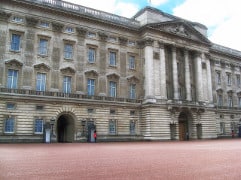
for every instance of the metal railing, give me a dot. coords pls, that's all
(65, 95)
(86, 11)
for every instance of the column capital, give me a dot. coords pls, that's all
(148, 42)
(161, 44)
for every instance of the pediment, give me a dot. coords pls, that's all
(13, 63)
(113, 76)
(42, 66)
(133, 79)
(182, 29)
(67, 70)
(92, 73)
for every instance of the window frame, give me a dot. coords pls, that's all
(15, 46)
(132, 131)
(132, 91)
(132, 62)
(91, 56)
(42, 81)
(43, 48)
(42, 126)
(91, 87)
(112, 58)
(11, 125)
(112, 89)
(67, 84)
(218, 77)
(14, 80)
(68, 50)
(229, 79)
(112, 127)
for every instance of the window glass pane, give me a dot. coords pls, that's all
(132, 127)
(112, 89)
(91, 55)
(132, 91)
(91, 87)
(132, 62)
(113, 58)
(41, 82)
(38, 126)
(12, 79)
(10, 106)
(43, 45)
(112, 126)
(9, 125)
(68, 51)
(67, 84)
(15, 44)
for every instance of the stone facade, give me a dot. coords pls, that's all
(74, 70)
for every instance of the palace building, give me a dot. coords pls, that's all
(71, 70)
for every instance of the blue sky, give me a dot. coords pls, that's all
(221, 17)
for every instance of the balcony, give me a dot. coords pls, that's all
(33, 93)
(89, 12)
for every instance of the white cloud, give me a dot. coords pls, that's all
(219, 15)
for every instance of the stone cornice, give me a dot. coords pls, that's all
(123, 40)
(14, 62)
(103, 36)
(41, 66)
(67, 70)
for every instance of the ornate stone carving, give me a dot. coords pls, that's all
(42, 67)
(180, 30)
(123, 40)
(132, 79)
(91, 73)
(14, 63)
(148, 42)
(103, 36)
(67, 70)
(81, 31)
(32, 22)
(4, 16)
(113, 76)
(57, 26)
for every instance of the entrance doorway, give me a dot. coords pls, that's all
(65, 128)
(183, 127)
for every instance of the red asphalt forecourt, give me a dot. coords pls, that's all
(189, 160)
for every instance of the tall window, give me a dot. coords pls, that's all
(222, 127)
(91, 87)
(68, 51)
(132, 127)
(220, 100)
(67, 84)
(230, 101)
(15, 43)
(112, 126)
(238, 81)
(131, 62)
(112, 90)
(9, 125)
(43, 47)
(38, 127)
(229, 79)
(91, 55)
(12, 82)
(218, 77)
(112, 60)
(239, 102)
(41, 82)
(132, 91)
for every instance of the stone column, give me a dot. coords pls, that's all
(174, 73)
(163, 85)
(209, 78)
(149, 89)
(198, 76)
(187, 76)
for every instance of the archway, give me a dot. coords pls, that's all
(184, 133)
(65, 128)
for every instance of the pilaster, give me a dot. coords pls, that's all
(198, 76)
(174, 73)
(187, 76)
(162, 72)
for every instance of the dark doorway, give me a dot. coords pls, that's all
(65, 129)
(183, 127)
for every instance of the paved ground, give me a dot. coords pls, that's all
(194, 160)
